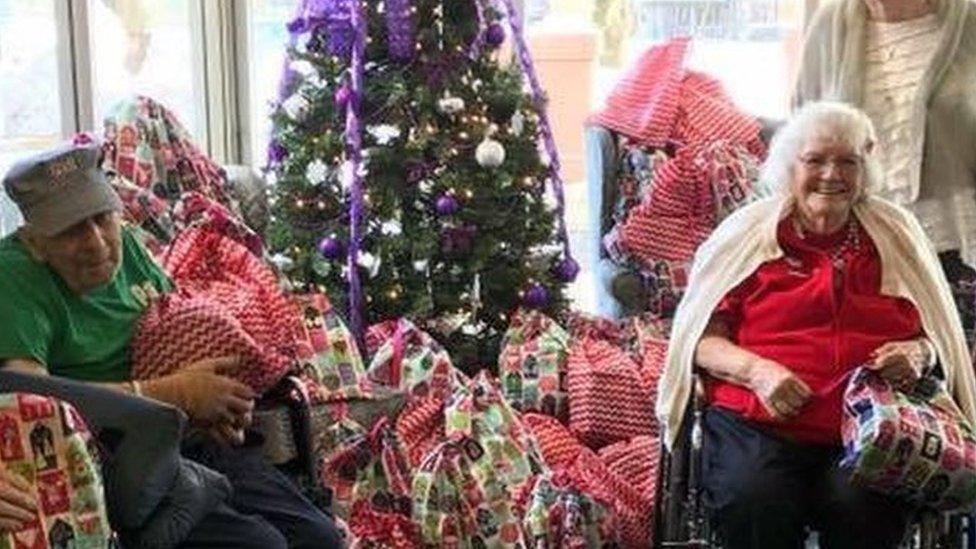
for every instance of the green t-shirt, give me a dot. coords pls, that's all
(78, 337)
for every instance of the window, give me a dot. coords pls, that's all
(148, 47)
(30, 117)
(267, 39)
(64, 63)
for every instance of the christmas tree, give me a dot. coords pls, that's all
(403, 118)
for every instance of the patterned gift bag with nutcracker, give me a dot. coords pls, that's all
(46, 442)
(532, 365)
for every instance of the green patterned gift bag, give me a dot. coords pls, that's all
(458, 502)
(329, 359)
(45, 441)
(556, 514)
(532, 365)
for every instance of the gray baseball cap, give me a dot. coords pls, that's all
(60, 187)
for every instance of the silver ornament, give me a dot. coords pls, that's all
(490, 153)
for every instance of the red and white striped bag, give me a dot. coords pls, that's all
(228, 303)
(608, 400)
(559, 448)
(636, 461)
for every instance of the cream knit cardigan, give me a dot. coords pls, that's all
(747, 239)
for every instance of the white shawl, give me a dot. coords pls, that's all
(747, 239)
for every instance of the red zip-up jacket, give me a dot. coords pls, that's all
(815, 320)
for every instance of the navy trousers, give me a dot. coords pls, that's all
(266, 510)
(764, 492)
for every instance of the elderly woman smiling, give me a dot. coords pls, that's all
(786, 299)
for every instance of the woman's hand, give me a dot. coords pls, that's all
(900, 362)
(17, 504)
(782, 393)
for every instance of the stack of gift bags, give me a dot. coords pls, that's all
(686, 158)
(559, 450)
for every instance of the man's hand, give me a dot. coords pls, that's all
(206, 395)
(17, 504)
(781, 392)
(900, 362)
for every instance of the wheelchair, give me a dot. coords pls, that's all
(681, 521)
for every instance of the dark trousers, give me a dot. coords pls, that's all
(266, 510)
(763, 492)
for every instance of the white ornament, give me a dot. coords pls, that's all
(384, 133)
(490, 153)
(370, 262)
(282, 262)
(296, 107)
(391, 228)
(518, 123)
(316, 172)
(450, 105)
(421, 265)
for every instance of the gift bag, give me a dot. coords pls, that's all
(420, 426)
(556, 514)
(634, 463)
(915, 444)
(532, 365)
(328, 354)
(366, 466)
(458, 502)
(609, 402)
(558, 446)
(228, 303)
(410, 359)
(45, 441)
(477, 410)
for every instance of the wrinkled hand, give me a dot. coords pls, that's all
(17, 503)
(205, 394)
(900, 362)
(782, 393)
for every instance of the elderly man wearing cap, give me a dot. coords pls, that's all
(73, 284)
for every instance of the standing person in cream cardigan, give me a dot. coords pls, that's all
(786, 299)
(911, 65)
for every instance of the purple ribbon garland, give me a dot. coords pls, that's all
(354, 146)
(528, 68)
(474, 49)
(401, 30)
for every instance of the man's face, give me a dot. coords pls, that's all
(85, 255)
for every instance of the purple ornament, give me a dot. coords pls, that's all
(298, 25)
(276, 152)
(342, 97)
(447, 205)
(536, 297)
(567, 270)
(331, 248)
(495, 35)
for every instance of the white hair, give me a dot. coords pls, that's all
(840, 121)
